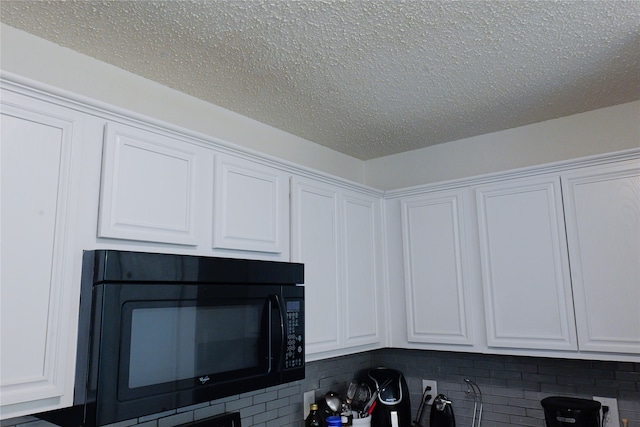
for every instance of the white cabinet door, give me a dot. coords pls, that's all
(148, 187)
(315, 243)
(602, 208)
(38, 307)
(362, 267)
(525, 269)
(251, 209)
(436, 271)
(336, 233)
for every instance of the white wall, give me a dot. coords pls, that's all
(595, 132)
(37, 59)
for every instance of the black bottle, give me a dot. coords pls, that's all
(314, 419)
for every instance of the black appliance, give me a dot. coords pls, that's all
(442, 413)
(560, 411)
(393, 397)
(160, 331)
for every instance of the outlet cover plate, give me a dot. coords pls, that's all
(433, 392)
(613, 418)
(308, 398)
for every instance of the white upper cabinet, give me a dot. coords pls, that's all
(251, 208)
(524, 261)
(314, 225)
(362, 267)
(148, 187)
(336, 233)
(602, 205)
(39, 152)
(161, 187)
(436, 268)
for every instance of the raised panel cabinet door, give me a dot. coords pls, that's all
(315, 243)
(602, 208)
(251, 209)
(435, 264)
(37, 318)
(524, 261)
(148, 187)
(361, 259)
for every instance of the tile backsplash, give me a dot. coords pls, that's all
(512, 387)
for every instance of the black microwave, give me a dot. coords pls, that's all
(160, 331)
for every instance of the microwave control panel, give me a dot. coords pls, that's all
(294, 352)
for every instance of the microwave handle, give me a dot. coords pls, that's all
(275, 300)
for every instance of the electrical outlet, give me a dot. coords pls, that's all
(433, 392)
(307, 400)
(613, 417)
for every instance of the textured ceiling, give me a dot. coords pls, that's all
(368, 78)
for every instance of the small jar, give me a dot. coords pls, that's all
(334, 421)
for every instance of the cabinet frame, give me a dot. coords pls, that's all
(361, 268)
(343, 279)
(121, 222)
(268, 196)
(322, 299)
(50, 384)
(605, 297)
(502, 208)
(419, 219)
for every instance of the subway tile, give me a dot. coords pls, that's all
(506, 374)
(192, 408)
(127, 423)
(238, 404)
(558, 389)
(279, 403)
(264, 417)
(524, 403)
(289, 392)
(628, 376)
(252, 410)
(490, 365)
(524, 385)
(156, 416)
(512, 387)
(265, 397)
(520, 367)
(512, 409)
(177, 419)
(538, 378)
(277, 423)
(525, 421)
(495, 417)
(208, 411)
(505, 392)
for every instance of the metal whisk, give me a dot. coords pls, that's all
(477, 400)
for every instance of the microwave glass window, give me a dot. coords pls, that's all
(176, 343)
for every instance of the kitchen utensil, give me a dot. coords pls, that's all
(370, 402)
(333, 402)
(477, 398)
(372, 407)
(361, 396)
(351, 391)
(374, 396)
